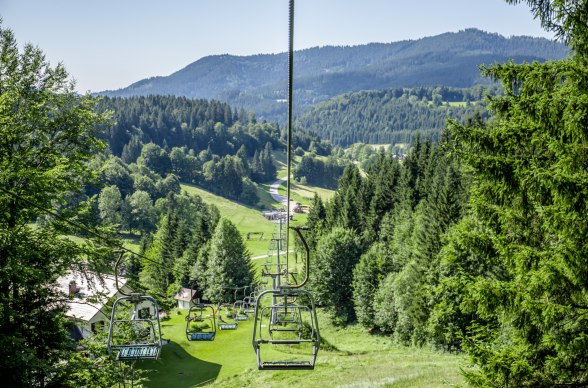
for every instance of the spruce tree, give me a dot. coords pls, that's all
(530, 190)
(228, 264)
(331, 278)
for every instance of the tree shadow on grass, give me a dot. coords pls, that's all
(179, 369)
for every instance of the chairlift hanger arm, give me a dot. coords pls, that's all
(298, 230)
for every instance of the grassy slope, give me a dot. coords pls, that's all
(360, 360)
(249, 219)
(245, 218)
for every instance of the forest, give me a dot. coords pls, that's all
(471, 242)
(392, 116)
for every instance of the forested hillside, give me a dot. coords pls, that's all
(258, 83)
(198, 141)
(476, 244)
(393, 116)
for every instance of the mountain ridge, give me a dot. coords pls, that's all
(258, 82)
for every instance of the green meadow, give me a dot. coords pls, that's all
(249, 220)
(354, 359)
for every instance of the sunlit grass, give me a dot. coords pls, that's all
(360, 360)
(246, 219)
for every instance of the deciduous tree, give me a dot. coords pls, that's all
(47, 133)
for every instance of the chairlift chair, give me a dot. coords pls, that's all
(291, 320)
(206, 331)
(239, 307)
(291, 331)
(286, 318)
(248, 305)
(301, 314)
(139, 336)
(239, 311)
(222, 325)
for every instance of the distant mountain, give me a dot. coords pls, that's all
(258, 83)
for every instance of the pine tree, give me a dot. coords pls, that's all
(531, 173)
(228, 264)
(157, 274)
(386, 173)
(337, 254)
(315, 221)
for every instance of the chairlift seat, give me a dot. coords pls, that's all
(278, 328)
(241, 318)
(228, 326)
(201, 336)
(138, 352)
(286, 341)
(283, 365)
(286, 320)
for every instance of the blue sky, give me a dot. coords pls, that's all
(109, 44)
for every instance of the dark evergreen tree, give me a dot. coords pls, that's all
(316, 221)
(529, 191)
(227, 263)
(336, 255)
(157, 275)
(132, 150)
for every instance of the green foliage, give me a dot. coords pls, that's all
(109, 204)
(263, 168)
(227, 263)
(186, 225)
(394, 115)
(530, 191)
(48, 134)
(114, 172)
(369, 272)
(401, 212)
(337, 254)
(315, 221)
(141, 215)
(209, 147)
(316, 172)
(155, 159)
(157, 274)
(384, 306)
(91, 366)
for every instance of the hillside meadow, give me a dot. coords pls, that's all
(356, 359)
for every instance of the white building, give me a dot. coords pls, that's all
(184, 296)
(89, 295)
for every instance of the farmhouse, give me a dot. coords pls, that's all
(89, 294)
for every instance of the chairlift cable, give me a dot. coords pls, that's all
(285, 317)
(289, 140)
